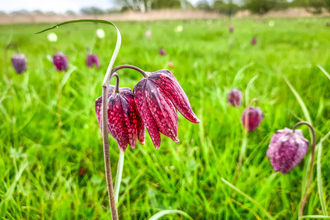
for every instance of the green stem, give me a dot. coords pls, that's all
(119, 175)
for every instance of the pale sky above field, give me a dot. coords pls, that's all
(58, 6)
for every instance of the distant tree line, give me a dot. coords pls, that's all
(227, 7)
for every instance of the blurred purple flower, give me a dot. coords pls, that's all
(162, 52)
(328, 24)
(254, 41)
(254, 118)
(235, 97)
(92, 59)
(19, 62)
(231, 29)
(61, 61)
(286, 149)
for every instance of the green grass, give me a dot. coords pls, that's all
(55, 132)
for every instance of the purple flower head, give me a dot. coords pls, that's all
(254, 41)
(286, 149)
(124, 121)
(19, 62)
(157, 97)
(254, 118)
(328, 24)
(235, 97)
(162, 52)
(231, 29)
(61, 62)
(92, 59)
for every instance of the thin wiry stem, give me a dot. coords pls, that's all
(126, 66)
(303, 201)
(117, 82)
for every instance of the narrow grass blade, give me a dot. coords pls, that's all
(314, 217)
(119, 175)
(248, 88)
(160, 214)
(239, 73)
(300, 101)
(324, 71)
(67, 75)
(319, 176)
(248, 197)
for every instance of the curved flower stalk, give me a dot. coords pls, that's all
(286, 150)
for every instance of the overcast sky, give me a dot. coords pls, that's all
(59, 6)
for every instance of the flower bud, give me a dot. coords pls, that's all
(235, 97)
(254, 41)
(286, 149)
(231, 29)
(254, 118)
(92, 59)
(60, 62)
(162, 52)
(19, 62)
(148, 33)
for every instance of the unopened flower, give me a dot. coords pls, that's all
(100, 33)
(231, 29)
(148, 33)
(52, 37)
(19, 62)
(157, 97)
(287, 149)
(235, 97)
(251, 118)
(60, 61)
(92, 59)
(162, 52)
(124, 121)
(254, 41)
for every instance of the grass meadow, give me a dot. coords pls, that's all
(52, 165)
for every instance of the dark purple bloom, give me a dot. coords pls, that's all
(235, 97)
(162, 52)
(61, 61)
(19, 62)
(92, 59)
(231, 29)
(254, 118)
(124, 121)
(287, 149)
(254, 41)
(328, 24)
(157, 97)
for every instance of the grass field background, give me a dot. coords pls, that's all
(55, 133)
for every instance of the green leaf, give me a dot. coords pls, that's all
(324, 71)
(119, 175)
(248, 197)
(160, 214)
(247, 100)
(314, 217)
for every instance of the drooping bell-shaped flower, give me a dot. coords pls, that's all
(251, 118)
(287, 149)
(254, 41)
(124, 121)
(231, 29)
(235, 97)
(60, 62)
(162, 52)
(157, 97)
(19, 62)
(92, 59)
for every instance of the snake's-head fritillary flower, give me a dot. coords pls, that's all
(287, 149)
(328, 24)
(254, 41)
(251, 118)
(231, 29)
(92, 59)
(235, 97)
(157, 97)
(162, 52)
(19, 62)
(124, 121)
(60, 61)
(148, 33)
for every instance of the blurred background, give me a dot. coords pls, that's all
(19, 11)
